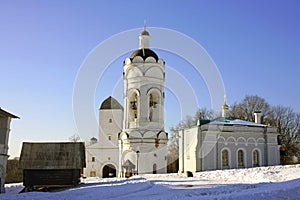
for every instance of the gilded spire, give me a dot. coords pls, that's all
(225, 106)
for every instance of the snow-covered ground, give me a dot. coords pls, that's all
(276, 182)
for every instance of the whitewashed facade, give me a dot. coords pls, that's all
(133, 140)
(143, 141)
(227, 143)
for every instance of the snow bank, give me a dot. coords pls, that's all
(276, 182)
(13, 188)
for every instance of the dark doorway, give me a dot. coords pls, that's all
(109, 171)
(154, 168)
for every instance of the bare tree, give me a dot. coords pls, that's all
(204, 113)
(188, 122)
(74, 138)
(284, 118)
(173, 154)
(288, 127)
(245, 109)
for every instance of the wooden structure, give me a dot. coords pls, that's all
(52, 164)
(13, 173)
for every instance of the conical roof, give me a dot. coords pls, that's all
(110, 103)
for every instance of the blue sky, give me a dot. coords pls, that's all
(255, 44)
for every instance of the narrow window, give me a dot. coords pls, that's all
(225, 161)
(153, 107)
(255, 158)
(133, 107)
(93, 159)
(151, 103)
(241, 159)
(109, 137)
(110, 120)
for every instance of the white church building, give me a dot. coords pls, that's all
(132, 139)
(227, 143)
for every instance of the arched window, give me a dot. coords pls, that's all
(255, 158)
(151, 107)
(133, 104)
(225, 158)
(241, 159)
(154, 101)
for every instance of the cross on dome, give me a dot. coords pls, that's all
(145, 32)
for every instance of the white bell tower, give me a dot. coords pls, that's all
(142, 143)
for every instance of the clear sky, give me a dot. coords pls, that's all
(255, 45)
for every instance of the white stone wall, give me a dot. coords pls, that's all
(143, 130)
(106, 150)
(143, 79)
(187, 155)
(102, 156)
(208, 141)
(110, 125)
(4, 135)
(149, 154)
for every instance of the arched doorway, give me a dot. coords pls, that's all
(109, 171)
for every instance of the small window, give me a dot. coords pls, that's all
(110, 120)
(109, 137)
(155, 155)
(93, 159)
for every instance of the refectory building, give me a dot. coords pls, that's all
(227, 143)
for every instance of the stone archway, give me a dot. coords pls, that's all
(109, 171)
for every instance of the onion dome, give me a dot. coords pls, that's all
(144, 53)
(144, 32)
